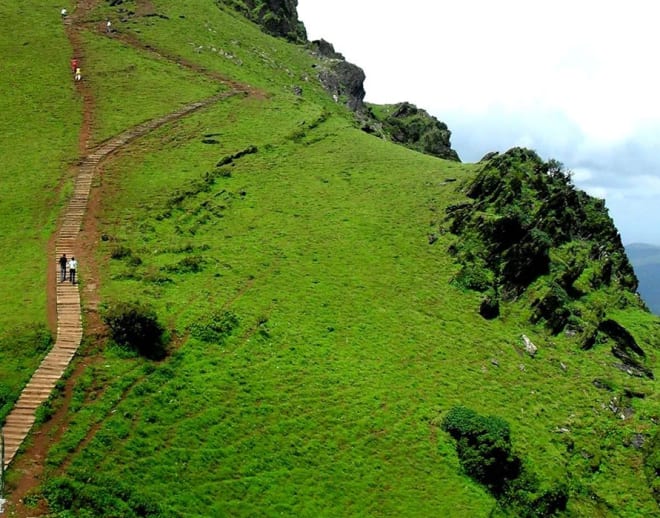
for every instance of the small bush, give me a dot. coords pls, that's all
(490, 306)
(120, 252)
(97, 496)
(44, 412)
(484, 447)
(214, 328)
(474, 277)
(189, 264)
(135, 326)
(60, 493)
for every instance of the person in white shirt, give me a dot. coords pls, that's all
(63, 13)
(73, 266)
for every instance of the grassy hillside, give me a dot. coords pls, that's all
(316, 341)
(39, 125)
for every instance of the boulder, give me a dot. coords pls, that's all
(530, 348)
(345, 80)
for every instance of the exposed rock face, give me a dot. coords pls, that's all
(276, 17)
(326, 49)
(343, 80)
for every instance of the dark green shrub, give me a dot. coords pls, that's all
(214, 328)
(44, 412)
(652, 464)
(99, 497)
(484, 447)
(189, 264)
(7, 399)
(474, 277)
(60, 493)
(484, 450)
(120, 252)
(154, 275)
(524, 498)
(490, 306)
(135, 326)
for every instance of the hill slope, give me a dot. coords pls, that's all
(302, 269)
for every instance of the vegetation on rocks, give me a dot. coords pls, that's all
(528, 230)
(277, 17)
(486, 454)
(413, 127)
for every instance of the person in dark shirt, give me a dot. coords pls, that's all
(63, 264)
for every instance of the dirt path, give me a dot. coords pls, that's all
(76, 236)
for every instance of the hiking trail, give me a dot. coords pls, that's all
(64, 295)
(69, 322)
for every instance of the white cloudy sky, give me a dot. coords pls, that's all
(576, 80)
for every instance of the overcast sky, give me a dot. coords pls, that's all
(575, 80)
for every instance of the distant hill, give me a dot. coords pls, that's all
(646, 261)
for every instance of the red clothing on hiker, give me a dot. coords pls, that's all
(74, 65)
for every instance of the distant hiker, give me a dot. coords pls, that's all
(108, 26)
(78, 75)
(63, 264)
(73, 266)
(63, 13)
(74, 64)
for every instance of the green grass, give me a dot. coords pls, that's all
(39, 126)
(352, 344)
(131, 86)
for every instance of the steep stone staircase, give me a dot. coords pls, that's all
(69, 321)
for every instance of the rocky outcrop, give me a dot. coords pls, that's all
(276, 17)
(417, 129)
(343, 80)
(528, 225)
(405, 124)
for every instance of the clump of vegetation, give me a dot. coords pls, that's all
(276, 18)
(189, 264)
(214, 328)
(486, 454)
(484, 447)
(7, 398)
(120, 252)
(135, 326)
(123, 252)
(527, 221)
(413, 127)
(102, 498)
